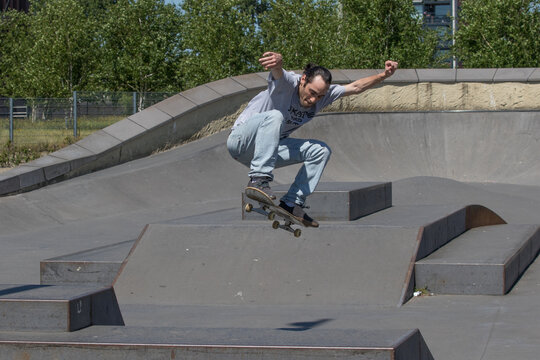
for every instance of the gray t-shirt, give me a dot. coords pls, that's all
(282, 95)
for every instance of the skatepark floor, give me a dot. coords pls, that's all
(198, 184)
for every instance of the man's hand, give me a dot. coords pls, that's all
(271, 60)
(363, 84)
(274, 62)
(390, 68)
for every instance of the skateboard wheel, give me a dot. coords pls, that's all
(275, 224)
(271, 215)
(248, 207)
(297, 233)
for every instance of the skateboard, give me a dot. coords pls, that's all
(270, 210)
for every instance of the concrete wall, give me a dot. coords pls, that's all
(445, 90)
(182, 116)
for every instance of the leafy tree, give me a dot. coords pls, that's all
(140, 46)
(14, 46)
(302, 31)
(376, 30)
(499, 33)
(60, 51)
(348, 33)
(220, 39)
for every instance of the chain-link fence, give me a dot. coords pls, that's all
(43, 121)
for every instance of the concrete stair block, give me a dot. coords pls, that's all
(56, 308)
(485, 260)
(97, 266)
(226, 344)
(338, 201)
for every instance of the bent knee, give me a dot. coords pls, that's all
(322, 150)
(275, 114)
(327, 152)
(275, 117)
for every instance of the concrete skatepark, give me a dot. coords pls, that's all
(109, 250)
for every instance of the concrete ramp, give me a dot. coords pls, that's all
(255, 264)
(366, 262)
(472, 146)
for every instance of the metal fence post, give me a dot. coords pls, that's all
(74, 114)
(134, 102)
(11, 120)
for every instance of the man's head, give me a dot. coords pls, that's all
(314, 84)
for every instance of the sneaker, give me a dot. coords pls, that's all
(298, 212)
(262, 187)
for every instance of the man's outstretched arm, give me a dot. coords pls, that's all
(274, 62)
(363, 84)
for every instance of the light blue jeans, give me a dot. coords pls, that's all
(257, 144)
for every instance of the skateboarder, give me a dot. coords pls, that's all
(260, 136)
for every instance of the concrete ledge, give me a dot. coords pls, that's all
(97, 266)
(227, 87)
(149, 118)
(221, 343)
(53, 167)
(476, 75)
(125, 129)
(339, 77)
(22, 177)
(251, 81)
(176, 105)
(436, 75)
(202, 94)
(482, 261)
(56, 308)
(76, 155)
(535, 76)
(403, 76)
(99, 142)
(354, 74)
(337, 201)
(10, 183)
(514, 75)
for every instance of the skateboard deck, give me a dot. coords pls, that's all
(270, 210)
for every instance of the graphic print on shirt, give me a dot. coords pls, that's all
(295, 117)
(298, 117)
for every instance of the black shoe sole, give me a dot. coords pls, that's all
(302, 220)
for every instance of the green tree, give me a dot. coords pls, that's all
(498, 33)
(376, 30)
(141, 47)
(62, 52)
(220, 39)
(348, 33)
(14, 46)
(302, 31)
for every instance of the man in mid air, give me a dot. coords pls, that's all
(260, 136)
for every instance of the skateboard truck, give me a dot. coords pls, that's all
(266, 210)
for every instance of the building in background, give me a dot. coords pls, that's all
(440, 15)
(22, 5)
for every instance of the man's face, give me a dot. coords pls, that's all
(312, 92)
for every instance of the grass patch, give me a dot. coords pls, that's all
(32, 140)
(11, 155)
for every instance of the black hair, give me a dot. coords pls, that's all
(311, 71)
